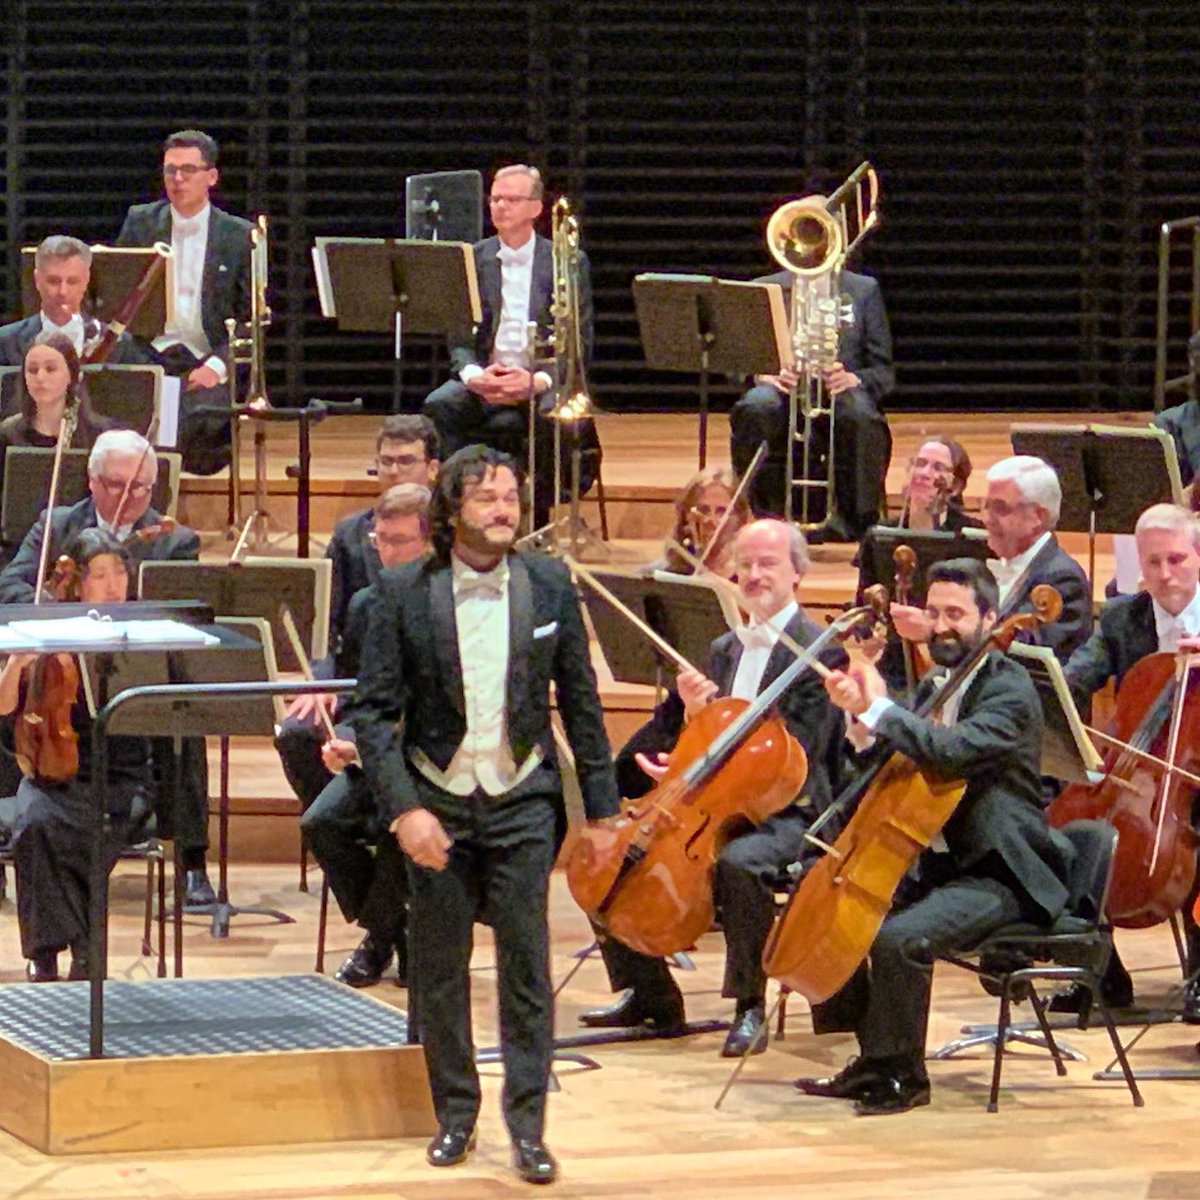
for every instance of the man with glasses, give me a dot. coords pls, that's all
(406, 451)
(495, 371)
(212, 283)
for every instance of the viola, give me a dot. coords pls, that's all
(1154, 867)
(833, 915)
(648, 880)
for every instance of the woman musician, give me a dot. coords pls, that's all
(52, 837)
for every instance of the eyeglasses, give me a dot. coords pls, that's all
(508, 199)
(137, 489)
(1002, 508)
(392, 541)
(187, 170)
(708, 510)
(391, 462)
(938, 468)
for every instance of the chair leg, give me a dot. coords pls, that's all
(781, 1014)
(149, 913)
(602, 503)
(1119, 1050)
(162, 915)
(303, 863)
(322, 925)
(1001, 1033)
(1039, 1011)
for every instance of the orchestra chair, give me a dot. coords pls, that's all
(1074, 949)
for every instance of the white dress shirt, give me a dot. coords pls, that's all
(1170, 629)
(189, 244)
(758, 639)
(484, 758)
(1008, 570)
(73, 329)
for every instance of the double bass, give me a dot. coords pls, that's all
(832, 916)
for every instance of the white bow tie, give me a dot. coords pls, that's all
(515, 258)
(185, 226)
(468, 580)
(753, 637)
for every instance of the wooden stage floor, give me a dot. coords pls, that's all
(643, 1125)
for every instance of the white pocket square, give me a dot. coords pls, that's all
(222, 267)
(545, 630)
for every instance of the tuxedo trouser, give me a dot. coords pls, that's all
(299, 744)
(747, 874)
(183, 817)
(341, 826)
(204, 438)
(52, 850)
(498, 872)
(862, 450)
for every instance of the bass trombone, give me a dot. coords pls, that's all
(812, 237)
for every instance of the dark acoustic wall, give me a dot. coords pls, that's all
(1028, 152)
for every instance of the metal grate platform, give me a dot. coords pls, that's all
(170, 1017)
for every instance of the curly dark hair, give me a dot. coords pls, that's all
(468, 465)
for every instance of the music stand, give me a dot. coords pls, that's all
(444, 206)
(256, 588)
(698, 323)
(876, 554)
(128, 394)
(382, 285)
(1109, 474)
(114, 272)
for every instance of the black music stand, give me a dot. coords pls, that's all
(698, 323)
(1109, 474)
(397, 285)
(876, 554)
(126, 395)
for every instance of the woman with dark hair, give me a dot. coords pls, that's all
(937, 478)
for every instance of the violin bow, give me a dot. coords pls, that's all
(151, 432)
(743, 484)
(1168, 767)
(66, 431)
(293, 637)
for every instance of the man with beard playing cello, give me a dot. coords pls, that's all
(997, 861)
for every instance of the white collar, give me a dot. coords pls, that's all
(517, 256)
(1186, 623)
(185, 225)
(1020, 561)
(766, 633)
(75, 321)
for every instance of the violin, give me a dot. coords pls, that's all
(833, 915)
(1154, 868)
(649, 880)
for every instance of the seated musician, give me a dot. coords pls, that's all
(1182, 421)
(1163, 616)
(937, 478)
(1020, 511)
(62, 271)
(699, 511)
(406, 451)
(345, 821)
(999, 862)
(212, 283)
(770, 559)
(119, 458)
(52, 840)
(494, 375)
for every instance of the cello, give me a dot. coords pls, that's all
(832, 916)
(648, 881)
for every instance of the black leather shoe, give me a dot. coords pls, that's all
(1117, 993)
(42, 968)
(1191, 1003)
(198, 892)
(450, 1147)
(833, 529)
(855, 1079)
(747, 1034)
(629, 1011)
(893, 1094)
(534, 1163)
(366, 964)
(79, 965)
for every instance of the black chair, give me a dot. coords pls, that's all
(1075, 949)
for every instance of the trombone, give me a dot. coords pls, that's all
(812, 237)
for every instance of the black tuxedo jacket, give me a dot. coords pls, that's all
(225, 289)
(1182, 422)
(865, 346)
(355, 566)
(805, 708)
(999, 828)
(1053, 565)
(476, 347)
(410, 689)
(1126, 634)
(17, 336)
(18, 579)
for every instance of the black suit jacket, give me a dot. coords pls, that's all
(1053, 565)
(225, 288)
(1125, 635)
(1182, 422)
(17, 336)
(805, 708)
(865, 346)
(355, 566)
(999, 828)
(410, 689)
(476, 346)
(18, 579)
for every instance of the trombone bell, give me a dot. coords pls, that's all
(804, 237)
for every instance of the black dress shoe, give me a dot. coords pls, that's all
(893, 1094)
(450, 1147)
(833, 529)
(79, 966)
(747, 1035)
(366, 964)
(197, 891)
(534, 1163)
(1191, 1003)
(42, 968)
(629, 1011)
(856, 1078)
(1117, 993)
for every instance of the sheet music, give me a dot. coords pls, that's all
(84, 633)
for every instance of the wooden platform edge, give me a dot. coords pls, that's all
(208, 1101)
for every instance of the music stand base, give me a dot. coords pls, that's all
(986, 1038)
